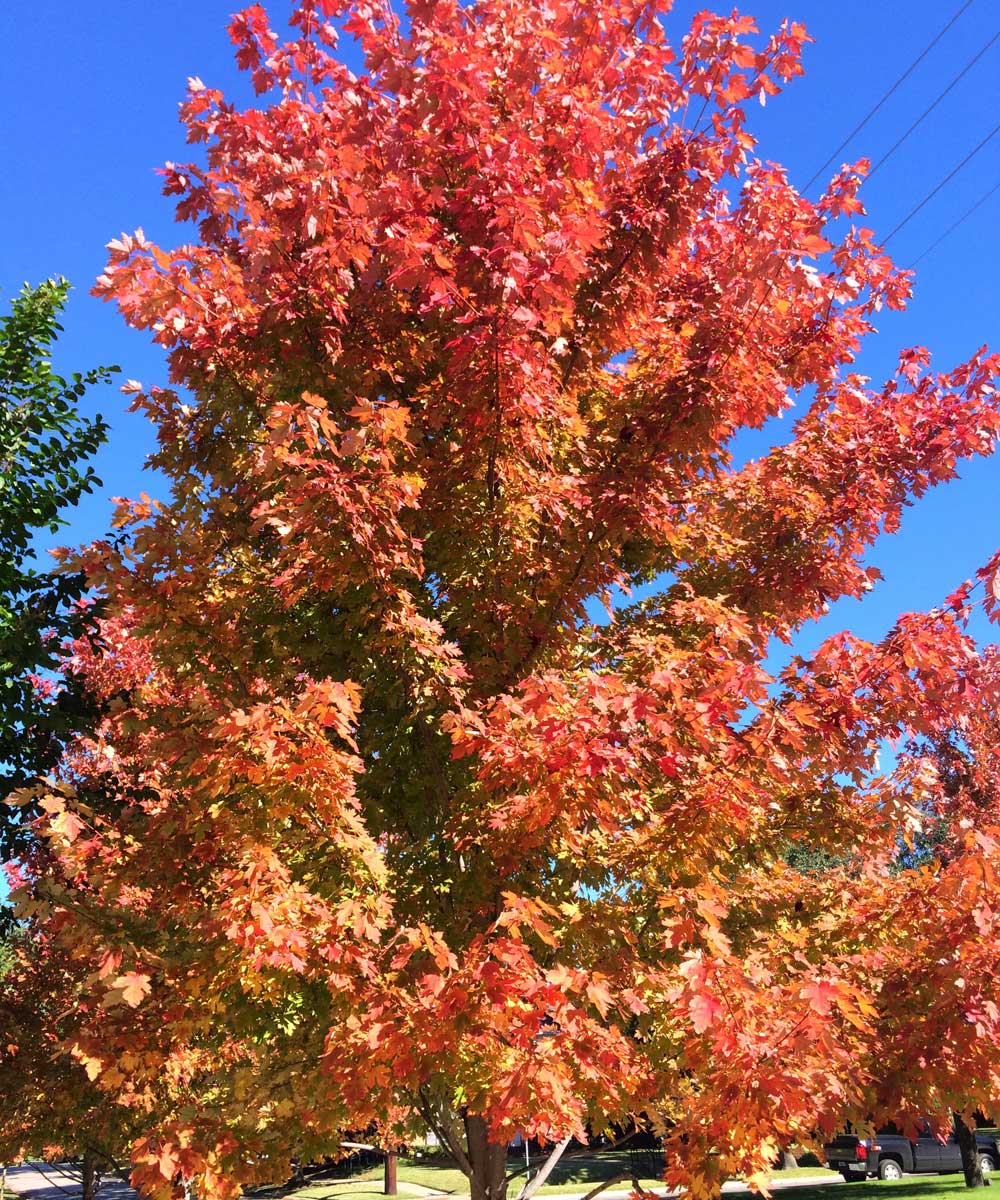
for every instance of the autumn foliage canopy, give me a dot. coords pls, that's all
(386, 825)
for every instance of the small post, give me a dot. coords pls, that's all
(391, 1186)
(3, 1183)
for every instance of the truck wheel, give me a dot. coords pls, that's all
(888, 1168)
(986, 1164)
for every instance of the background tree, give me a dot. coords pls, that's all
(396, 833)
(44, 444)
(52, 1109)
(966, 757)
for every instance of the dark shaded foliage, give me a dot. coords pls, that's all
(45, 445)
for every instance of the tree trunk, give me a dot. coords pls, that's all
(488, 1161)
(971, 1165)
(788, 1161)
(391, 1186)
(89, 1174)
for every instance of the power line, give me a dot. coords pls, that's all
(955, 224)
(934, 190)
(888, 154)
(905, 75)
(745, 329)
(930, 108)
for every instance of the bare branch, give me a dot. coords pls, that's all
(122, 1174)
(445, 1134)
(636, 1186)
(585, 1152)
(531, 1186)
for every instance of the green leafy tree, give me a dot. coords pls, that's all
(44, 447)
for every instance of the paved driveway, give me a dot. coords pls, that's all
(44, 1182)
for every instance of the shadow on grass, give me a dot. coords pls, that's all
(912, 1187)
(586, 1171)
(595, 1168)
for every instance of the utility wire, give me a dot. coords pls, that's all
(934, 190)
(930, 108)
(955, 224)
(909, 216)
(905, 75)
(892, 150)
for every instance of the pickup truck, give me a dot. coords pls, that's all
(888, 1155)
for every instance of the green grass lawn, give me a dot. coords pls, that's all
(442, 1177)
(575, 1174)
(911, 1187)
(583, 1173)
(572, 1175)
(341, 1189)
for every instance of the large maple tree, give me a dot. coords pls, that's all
(384, 826)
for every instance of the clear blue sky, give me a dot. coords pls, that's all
(90, 94)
